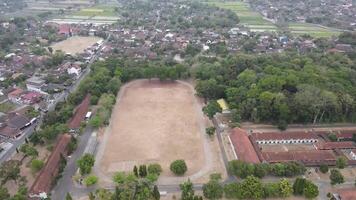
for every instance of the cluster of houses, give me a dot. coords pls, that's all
(339, 14)
(312, 148)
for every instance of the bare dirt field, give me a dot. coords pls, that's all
(154, 122)
(75, 44)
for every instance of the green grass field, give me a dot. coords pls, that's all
(100, 10)
(257, 23)
(251, 19)
(311, 29)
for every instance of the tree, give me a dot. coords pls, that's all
(332, 137)
(211, 109)
(36, 165)
(209, 89)
(9, 170)
(336, 177)
(29, 150)
(210, 131)
(311, 191)
(178, 167)
(187, 190)
(324, 168)
(154, 168)
(156, 194)
(252, 188)
(85, 163)
(213, 190)
(4, 193)
(90, 180)
(341, 162)
(285, 188)
(135, 171)
(298, 186)
(142, 171)
(68, 196)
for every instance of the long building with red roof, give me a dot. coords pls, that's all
(284, 138)
(335, 145)
(44, 181)
(310, 158)
(243, 147)
(80, 112)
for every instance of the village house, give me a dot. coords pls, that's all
(15, 94)
(35, 84)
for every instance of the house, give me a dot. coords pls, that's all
(31, 98)
(35, 84)
(65, 29)
(17, 121)
(15, 95)
(74, 69)
(44, 181)
(12, 126)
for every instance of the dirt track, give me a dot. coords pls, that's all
(154, 122)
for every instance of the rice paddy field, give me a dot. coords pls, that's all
(249, 18)
(99, 10)
(97, 15)
(257, 23)
(312, 29)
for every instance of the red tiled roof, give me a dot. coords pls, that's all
(80, 113)
(243, 146)
(16, 92)
(43, 182)
(9, 132)
(283, 136)
(335, 145)
(64, 29)
(347, 194)
(31, 95)
(307, 157)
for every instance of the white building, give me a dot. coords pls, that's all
(353, 155)
(35, 84)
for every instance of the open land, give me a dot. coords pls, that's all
(249, 18)
(257, 23)
(76, 44)
(154, 122)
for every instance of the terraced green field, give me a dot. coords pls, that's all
(257, 23)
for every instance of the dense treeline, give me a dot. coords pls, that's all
(283, 88)
(242, 169)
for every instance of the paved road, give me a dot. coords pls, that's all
(65, 184)
(16, 143)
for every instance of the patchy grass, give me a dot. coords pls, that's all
(7, 107)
